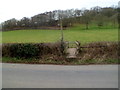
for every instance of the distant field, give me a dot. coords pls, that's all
(36, 36)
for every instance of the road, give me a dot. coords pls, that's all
(59, 76)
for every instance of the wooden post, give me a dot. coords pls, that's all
(78, 46)
(61, 28)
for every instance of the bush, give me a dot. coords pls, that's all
(31, 50)
(24, 50)
(6, 50)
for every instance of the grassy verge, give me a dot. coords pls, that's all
(59, 62)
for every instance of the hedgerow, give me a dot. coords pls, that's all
(30, 50)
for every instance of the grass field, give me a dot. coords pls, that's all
(36, 36)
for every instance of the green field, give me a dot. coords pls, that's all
(36, 36)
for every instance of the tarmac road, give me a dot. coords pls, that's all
(59, 76)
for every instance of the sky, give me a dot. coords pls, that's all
(28, 8)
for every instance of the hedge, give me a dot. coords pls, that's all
(30, 50)
(94, 50)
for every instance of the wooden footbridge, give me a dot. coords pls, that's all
(72, 49)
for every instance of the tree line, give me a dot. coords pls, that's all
(51, 20)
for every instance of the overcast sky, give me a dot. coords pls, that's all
(27, 8)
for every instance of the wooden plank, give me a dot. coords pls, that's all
(72, 52)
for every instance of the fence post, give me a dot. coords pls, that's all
(78, 46)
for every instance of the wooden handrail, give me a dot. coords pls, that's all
(93, 46)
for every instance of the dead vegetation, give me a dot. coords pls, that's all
(99, 51)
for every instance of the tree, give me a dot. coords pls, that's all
(10, 24)
(25, 22)
(86, 18)
(100, 20)
(66, 18)
(1, 26)
(108, 11)
(118, 9)
(114, 19)
(40, 19)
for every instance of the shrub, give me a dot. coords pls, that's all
(24, 50)
(6, 50)
(31, 50)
